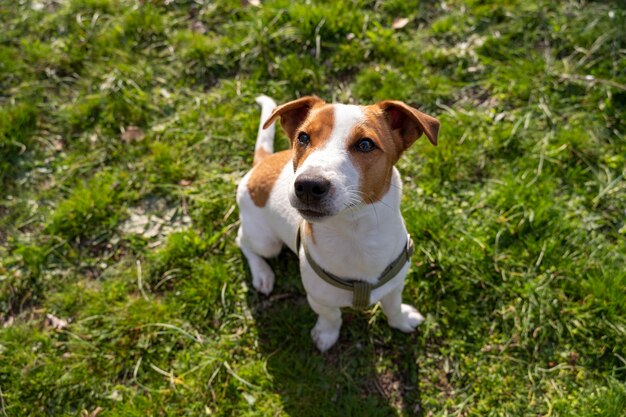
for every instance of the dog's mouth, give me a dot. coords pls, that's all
(313, 214)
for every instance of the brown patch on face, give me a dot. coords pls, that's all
(265, 174)
(259, 155)
(318, 125)
(376, 166)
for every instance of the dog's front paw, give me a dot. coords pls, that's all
(407, 320)
(324, 338)
(263, 278)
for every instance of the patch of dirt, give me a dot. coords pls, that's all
(392, 387)
(154, 220)
(394, 383)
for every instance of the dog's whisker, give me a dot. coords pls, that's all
(375, 213)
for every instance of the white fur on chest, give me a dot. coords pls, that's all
(358, 245)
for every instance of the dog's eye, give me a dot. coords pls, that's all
(303, 139)
(365, 145)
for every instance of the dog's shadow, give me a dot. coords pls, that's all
(371, 371)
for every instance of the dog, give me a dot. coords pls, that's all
(334, 200)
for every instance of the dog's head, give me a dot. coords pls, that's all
(344, 154)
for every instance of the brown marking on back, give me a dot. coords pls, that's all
(376, 167)
(259, 155)
(265, 174)
(318, 125)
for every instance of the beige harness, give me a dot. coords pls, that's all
(362, 290)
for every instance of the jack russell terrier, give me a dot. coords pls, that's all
(333, 199)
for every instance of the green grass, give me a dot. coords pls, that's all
(518, 216)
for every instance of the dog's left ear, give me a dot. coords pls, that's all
(409, 122)
(293, 113)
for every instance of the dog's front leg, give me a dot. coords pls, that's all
(400, 316)
(326, 330)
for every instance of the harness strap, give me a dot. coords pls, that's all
(361, 290)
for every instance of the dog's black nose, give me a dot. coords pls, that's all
(311, 189)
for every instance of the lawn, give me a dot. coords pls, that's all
(125, 127)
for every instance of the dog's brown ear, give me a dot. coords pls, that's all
(293, 113)
(409, 122)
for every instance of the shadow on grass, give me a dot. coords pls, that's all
(371, 371)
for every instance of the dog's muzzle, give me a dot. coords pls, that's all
(312, 191)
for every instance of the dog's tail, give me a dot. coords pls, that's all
(265, 138)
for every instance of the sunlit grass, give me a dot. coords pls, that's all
(125, 126)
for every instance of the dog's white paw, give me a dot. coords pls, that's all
(407, 320)
(263, 278)
(324, 338)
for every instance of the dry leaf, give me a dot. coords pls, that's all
(256, 3)
(56, 322)
(399, 22)
(132, 134)
(8, 322)
(94, 413)
(198, 27)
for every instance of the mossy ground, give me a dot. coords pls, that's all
(125, 126)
